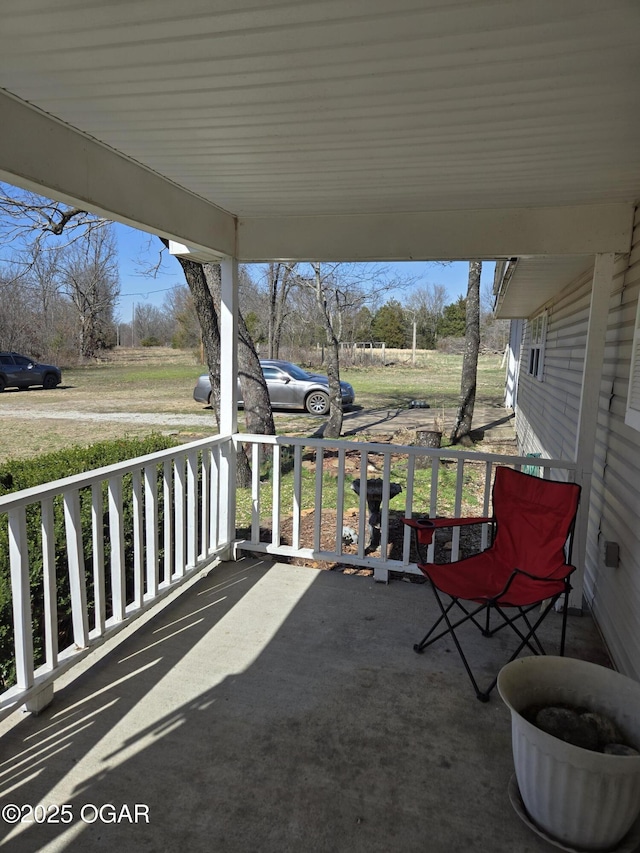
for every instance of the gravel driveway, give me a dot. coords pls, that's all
(118, 417)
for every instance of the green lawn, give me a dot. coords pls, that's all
(435, 379)
(161, 381)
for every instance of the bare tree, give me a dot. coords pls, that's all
(43, 280)
(178, 305)
(64, 255)
(204, 282)
(494, 333)
(461, 433)
(16, 319)
(339, 293)
(89, 276)
(27, 217)
(325, 286)
(426, 304)
(281, 279)
(153, 326)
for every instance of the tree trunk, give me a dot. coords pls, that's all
(273, 300)
(208, 319)
(255, 396)
(461, 433)
(203, 300)
(280, 283)
(333, 426)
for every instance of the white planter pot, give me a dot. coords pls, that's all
(583, 799)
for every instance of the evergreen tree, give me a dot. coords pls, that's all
(389, 325)
(453, 322)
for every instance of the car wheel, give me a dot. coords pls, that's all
(49, 382)
(317, 403)
(3, 384)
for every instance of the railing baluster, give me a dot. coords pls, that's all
(49, 584)
(408, 509)
(484, 536)
(340, 499)
(457, 510)
(141, 517)
(276, 497)
(255, 492)
(384, 521)
(362, 507)
(193, 524)
(77, 576)
(297, 494)
(317, 516)
(192, 508)
(21, 594)
(116, 536)
(179, 528)
(433, 501)
(167, 501)
(214, 539)
(151, 529)
(136, 506)
(205, 505)
(97, 539)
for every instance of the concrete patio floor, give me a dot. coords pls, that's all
(276, 708)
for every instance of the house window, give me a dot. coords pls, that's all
(537, 337)
(632, 416)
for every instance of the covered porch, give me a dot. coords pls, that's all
(276, 707)
(271, 707)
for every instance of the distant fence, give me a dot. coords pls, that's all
(362, 352)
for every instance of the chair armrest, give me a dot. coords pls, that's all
(560, 573)
(425, 529)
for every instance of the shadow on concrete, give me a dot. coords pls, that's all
(278, 709)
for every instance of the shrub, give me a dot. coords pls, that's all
(29, 473)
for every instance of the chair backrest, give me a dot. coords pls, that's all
(534, 518)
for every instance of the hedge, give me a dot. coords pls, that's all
(27, 473)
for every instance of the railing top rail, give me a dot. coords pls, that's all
(442, 452)
(88, 478)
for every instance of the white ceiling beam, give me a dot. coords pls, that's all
(439, 235)
(44, 155)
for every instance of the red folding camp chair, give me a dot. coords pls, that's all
(526, 566)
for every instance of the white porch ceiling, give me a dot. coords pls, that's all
(325, 108)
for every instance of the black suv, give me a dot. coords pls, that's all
(18, 371)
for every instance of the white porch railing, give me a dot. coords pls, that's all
(108, 544)
(468, 476)
(115, 540)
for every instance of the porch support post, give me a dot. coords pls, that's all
(228, 401)
(588, 412)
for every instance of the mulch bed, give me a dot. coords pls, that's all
(469, 541)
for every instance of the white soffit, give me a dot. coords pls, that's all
(294, 108)
(537, 280)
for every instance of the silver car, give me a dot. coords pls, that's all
(289, 386)
(20, 371)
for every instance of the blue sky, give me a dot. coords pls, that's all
(139, 253)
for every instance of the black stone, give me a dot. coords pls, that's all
(568, 726)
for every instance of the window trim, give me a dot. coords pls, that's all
(537, 344)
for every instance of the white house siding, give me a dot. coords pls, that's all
(546, 421)
(547, 412)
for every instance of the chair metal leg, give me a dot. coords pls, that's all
(483, 696)
(487, 628)
(528, 635)
(565, 611)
